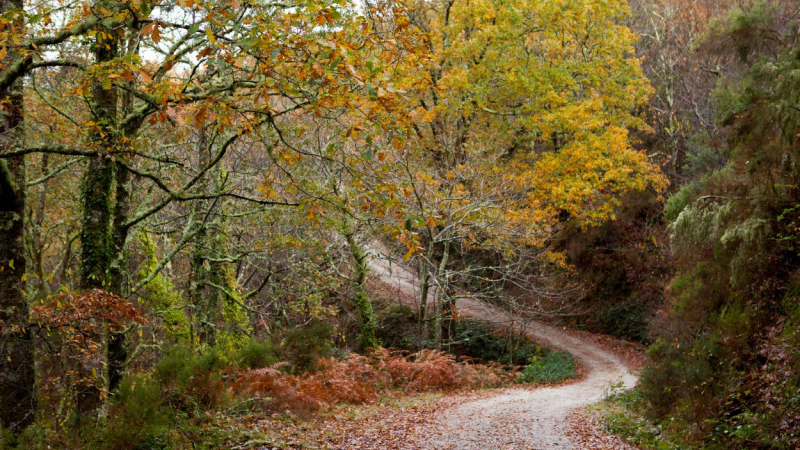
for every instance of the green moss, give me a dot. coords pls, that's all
(236, 329)
(620, 416)
(368, 326)
(161, 297)
(96, 199)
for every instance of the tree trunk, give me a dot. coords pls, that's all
(204, 302)
(17, 400)
(424, 289)
(117, 342)
(445, 300)
(97, 201)
(361, 300)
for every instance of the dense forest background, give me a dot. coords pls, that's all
(191, 193)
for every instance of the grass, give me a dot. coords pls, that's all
(619, 416)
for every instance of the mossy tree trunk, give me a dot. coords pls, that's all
(97, 202)
(367, 322)
(117, 342)
(204, 299)
(17, 401)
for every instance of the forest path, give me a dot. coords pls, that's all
(514, 418)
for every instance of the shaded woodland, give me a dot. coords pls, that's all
(192, 193)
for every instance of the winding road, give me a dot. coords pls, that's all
(514, 418)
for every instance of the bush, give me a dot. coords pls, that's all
(436, 370)
(399, 328)
(626, 319)
(256, 354)
(303, 347)
(192, 381)
(678, 201)
(33, 437)
(183, 385)
(555, 367)
(475, 340)
(138, 415)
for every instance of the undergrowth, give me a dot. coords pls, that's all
(400, 329)
(359, 379)
(621, 416)
(555, 367)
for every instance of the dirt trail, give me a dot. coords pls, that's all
(514, 418)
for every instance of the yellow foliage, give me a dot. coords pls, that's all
(528, 117)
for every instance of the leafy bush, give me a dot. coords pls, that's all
(191, 381)
(555, 367)
(436, 370)
(626, 319)
(138, 415)
(33, 437)
(303, 347)
(399, 328)
(256, 354)
(475, 340)
(679, 200)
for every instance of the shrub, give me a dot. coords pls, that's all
(475, 340)
(138, 415)
(427, 370)
(625, 319)
(399, 328)
(191, 381)
(678, 201)
(555, 367)
(303, 347)
(435, 370)
(255, 354)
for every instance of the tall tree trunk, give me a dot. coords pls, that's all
(37, 285)
(204, 302)
(97, 201)
(17, 401)
(368, 325)
(117, 342)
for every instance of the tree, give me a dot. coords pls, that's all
(685, 138)
(524, 125)
(17, 400)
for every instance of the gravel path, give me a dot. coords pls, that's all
(514, 418)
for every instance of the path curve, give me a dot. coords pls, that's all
(515, 418)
